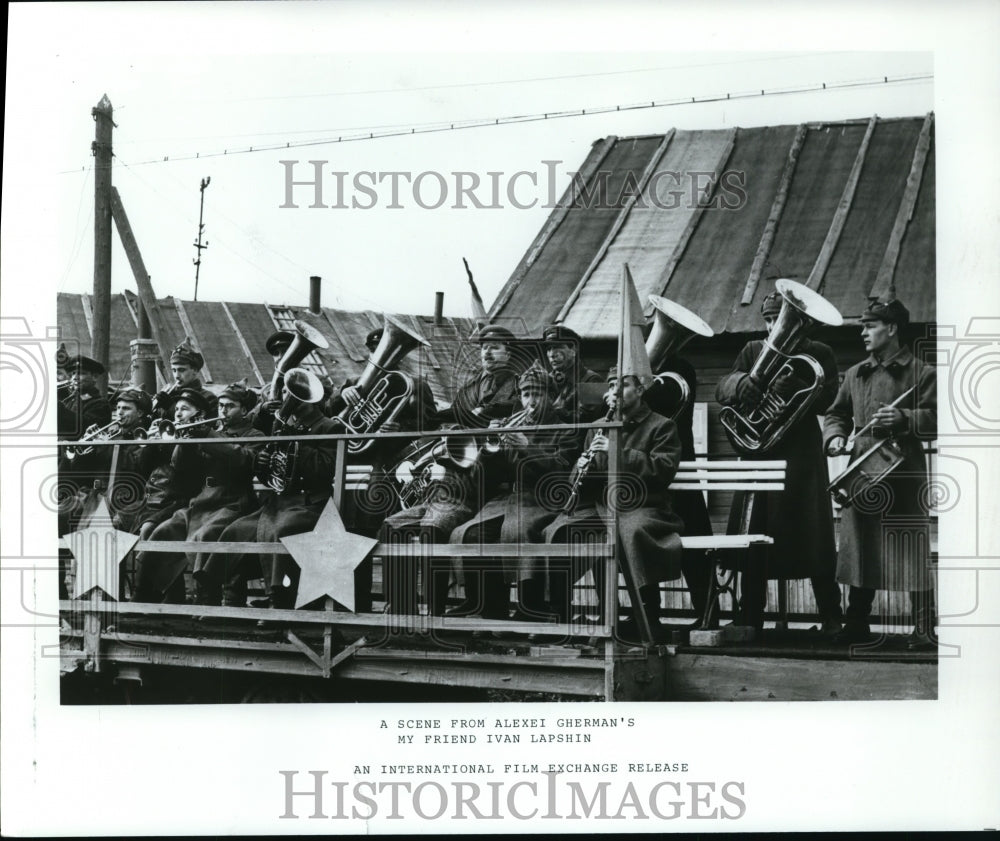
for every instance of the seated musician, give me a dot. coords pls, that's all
(82, 405)
(301, 474)
(226, 494)
(517, 464)
(453, 496)
(166, 489)
(185, 366)
(648, 528)
(562, 352)
(365, 511)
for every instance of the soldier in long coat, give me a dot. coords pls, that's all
(799, 518)
(489, 394)
(521, 467)
(294, 510)
(226, 494)
(648, 527)
(562, 353)
(885, 534)
(689, 505)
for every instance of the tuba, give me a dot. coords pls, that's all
(384, 392)
(304, 388)
(307, 339)
(673, 327)
(802, 311)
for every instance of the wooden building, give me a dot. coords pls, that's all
(710, 218)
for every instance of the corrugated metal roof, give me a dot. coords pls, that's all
(821, 200)
(215, 336)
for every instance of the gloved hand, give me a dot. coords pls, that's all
(262, 465)
(748, 392)
(787, 384)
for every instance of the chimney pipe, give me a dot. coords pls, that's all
(314, 284)
(439, 308)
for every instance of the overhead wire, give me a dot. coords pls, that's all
(458, 125)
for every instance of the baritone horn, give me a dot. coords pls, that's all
(802, 311)
(307, 339)
(384, 392)
(304, 388)
(673, 327)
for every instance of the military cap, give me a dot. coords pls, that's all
(892, 312)
(373, 338)
(771, 305)
(185, 354)
(138, 398)
(279, 341)
(558, 334)
(196, 397)
(536, 377)
(85, 365)
(241, 393)
(494, 333)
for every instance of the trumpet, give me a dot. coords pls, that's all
(105, 433)
(167, 430)
(494, 443)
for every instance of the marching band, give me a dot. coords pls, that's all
(521, 485)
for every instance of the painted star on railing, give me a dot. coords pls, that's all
(98, 548)
(328, 556)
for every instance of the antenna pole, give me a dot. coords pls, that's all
(201, 228)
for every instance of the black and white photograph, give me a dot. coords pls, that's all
(422, 418)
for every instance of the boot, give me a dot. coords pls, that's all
(922, 637)
(472, 602)
(629, 630)
(856, 629)
(533, 607)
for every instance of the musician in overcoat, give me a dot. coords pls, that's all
(561, 346)
(648, 527)
(885, 534)
(688, 505)
(489, 394)
(167, 488)
(521, 466)
(293, 510)
(185, 366)
(226, 494)
(799, 518)
(81, 403)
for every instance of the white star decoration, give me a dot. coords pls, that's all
(328, 556)
(98, 548)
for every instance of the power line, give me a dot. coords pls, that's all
(457, 125)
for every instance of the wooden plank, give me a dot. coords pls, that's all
(905, 213)
(692, 223)
(189, 331)
(774, 217)
(88, 313)
(557, 217)
(719, 677)
(157, 326)
(131, 309)
(819, 268)
(243, 345)
(311, 655)
(619, 223)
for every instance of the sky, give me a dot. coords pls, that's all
(216, 80)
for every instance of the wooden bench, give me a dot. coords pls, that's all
(727, 475)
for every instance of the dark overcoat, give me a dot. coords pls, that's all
(648, 527)
(527, 484)
(800, 518)
(885, 535)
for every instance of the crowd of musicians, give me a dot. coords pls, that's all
(520, 484)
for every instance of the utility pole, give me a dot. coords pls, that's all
(100, 342)
(201, 215)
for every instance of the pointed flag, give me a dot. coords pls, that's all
(634, 359)
(478, 308)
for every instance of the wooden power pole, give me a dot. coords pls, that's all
(100, 342)
(201, 228)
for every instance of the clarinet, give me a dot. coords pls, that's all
(582, 471)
